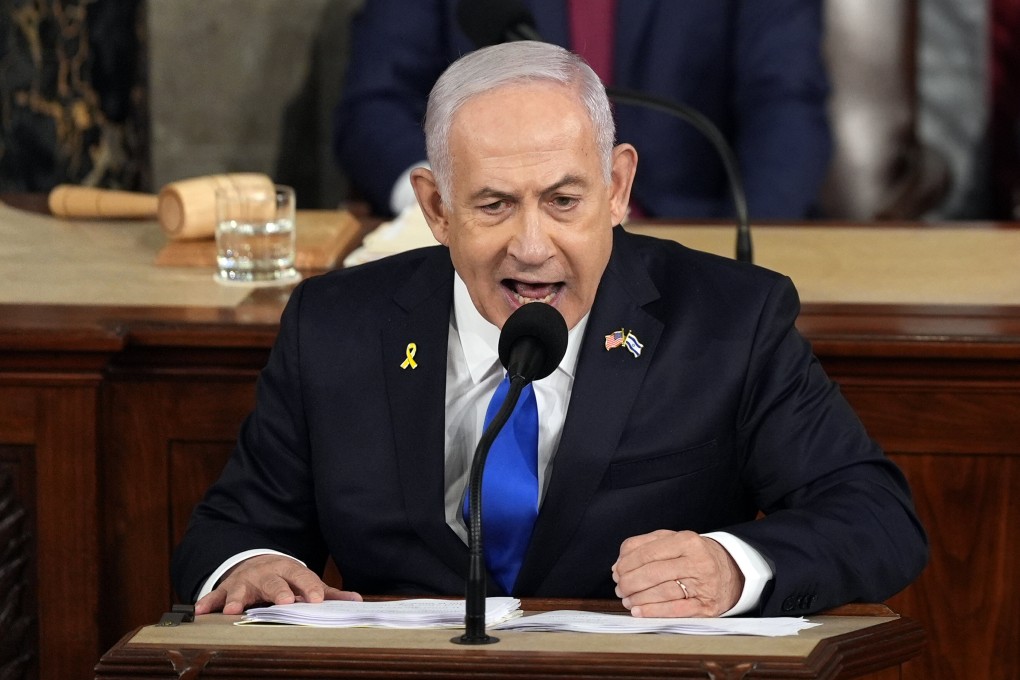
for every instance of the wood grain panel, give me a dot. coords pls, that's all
(932, 417)
(954, 429)
(68, 531)
(49, 439)
(968, 596)
(167, 440)
(17, 416)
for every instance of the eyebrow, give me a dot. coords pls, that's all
(568, 180)
(565, 181)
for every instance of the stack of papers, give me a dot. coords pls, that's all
(590, 622)
(420, 613)
(504, 613)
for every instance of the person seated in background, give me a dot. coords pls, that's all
(685, 406)
(753, 68)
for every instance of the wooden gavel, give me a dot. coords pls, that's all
(185, 209)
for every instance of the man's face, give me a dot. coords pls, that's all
(531, 216)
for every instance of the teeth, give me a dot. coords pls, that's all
(525, 300)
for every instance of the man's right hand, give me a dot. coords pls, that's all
(270, 579)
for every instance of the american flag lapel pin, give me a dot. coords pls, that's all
(615, 339)
(626, 339)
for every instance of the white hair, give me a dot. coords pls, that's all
(506, 64)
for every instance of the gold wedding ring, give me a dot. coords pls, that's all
(683, 588)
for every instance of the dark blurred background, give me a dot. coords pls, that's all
(133, 94)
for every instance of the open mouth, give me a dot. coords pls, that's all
(525, 292)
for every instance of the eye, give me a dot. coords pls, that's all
(565, 202)
(495, 207)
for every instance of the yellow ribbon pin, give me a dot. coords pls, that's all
(409, 361)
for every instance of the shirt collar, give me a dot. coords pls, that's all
(479, 339)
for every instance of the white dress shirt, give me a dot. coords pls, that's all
(473, 372)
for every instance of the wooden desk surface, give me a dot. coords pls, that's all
(79, 281)
(841, 646)
(50, 261)
(908, 265)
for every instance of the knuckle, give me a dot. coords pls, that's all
(629, 544)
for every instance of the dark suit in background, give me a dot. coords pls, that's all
(754, 68)
(724, 413)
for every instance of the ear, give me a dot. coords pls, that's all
(427, 192)
(621, 180)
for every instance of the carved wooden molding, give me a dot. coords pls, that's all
(16, 655)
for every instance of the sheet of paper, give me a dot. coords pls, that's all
(407, 231)
(416, 613)
(591, 622)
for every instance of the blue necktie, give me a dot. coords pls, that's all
(510, 486)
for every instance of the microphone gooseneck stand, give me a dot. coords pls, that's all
(474, 616)
(532, 343)
(707, 128)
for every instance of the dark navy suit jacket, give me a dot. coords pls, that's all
(724, 413)
(753, 67)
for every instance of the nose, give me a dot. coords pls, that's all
(531, 244)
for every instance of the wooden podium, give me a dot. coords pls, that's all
(851, 642)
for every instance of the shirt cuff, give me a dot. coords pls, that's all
(757, 573)
(402, 195)
(215, 577)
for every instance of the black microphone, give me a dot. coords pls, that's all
(531, 345)
(490, 22)
(533, 342)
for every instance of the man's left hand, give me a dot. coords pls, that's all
(676, 574)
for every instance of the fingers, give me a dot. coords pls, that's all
(668, 600)
(635, 542)
(212, 602)
(270, 588)
(652, 567)
(270, 579)
(337, 594)
(650, 559)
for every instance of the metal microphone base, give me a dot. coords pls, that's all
(466, 639)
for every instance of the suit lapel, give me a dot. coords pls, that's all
(605, 383)
(417, 402)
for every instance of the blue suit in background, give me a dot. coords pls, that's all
(754, 68)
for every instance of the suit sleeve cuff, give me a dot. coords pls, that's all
(215, 577)
(752, 565)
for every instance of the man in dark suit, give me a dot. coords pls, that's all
(686, 403)
(753, 67)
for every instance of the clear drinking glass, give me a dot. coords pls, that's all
(255, 238)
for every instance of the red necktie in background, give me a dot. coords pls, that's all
(592, 29)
